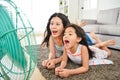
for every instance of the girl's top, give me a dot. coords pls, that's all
(76, 57)
(99, 58)
(59, 50)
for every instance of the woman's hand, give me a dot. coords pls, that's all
(51, 64)
(44, 63)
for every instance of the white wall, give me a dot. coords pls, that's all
(90, 14)
(38, 11)
(41, 11)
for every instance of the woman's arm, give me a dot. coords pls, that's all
(51, 48)
(48, 63)
(84, 68)
(62, 59)
(52, 62)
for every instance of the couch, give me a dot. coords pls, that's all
(106, 26)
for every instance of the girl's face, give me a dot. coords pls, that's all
(70, 38)
(56, 27)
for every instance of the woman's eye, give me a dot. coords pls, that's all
(57, 24)
(64, 34)
(51, 23)
(70, 34)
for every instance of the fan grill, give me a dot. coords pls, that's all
(17, 61)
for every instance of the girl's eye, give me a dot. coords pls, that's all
(70, 34)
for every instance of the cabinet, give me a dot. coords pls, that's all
(69, 8)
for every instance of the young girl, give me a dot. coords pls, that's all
(77, 49)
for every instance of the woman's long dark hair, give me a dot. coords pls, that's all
(47, 32)
(80, 33)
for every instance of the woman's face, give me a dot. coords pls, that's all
(70, 38)
(56, 27)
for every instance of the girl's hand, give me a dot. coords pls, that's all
(64, 73)
(44, 63)
(57, 70)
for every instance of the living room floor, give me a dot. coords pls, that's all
(37, 74)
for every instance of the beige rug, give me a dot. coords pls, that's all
(100, 72)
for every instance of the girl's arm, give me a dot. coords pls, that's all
(64, 59)
(63, 63)
(84, 68)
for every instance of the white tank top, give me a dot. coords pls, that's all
(76, 57)
(100, 56)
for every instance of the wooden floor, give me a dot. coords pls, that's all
(37, 75)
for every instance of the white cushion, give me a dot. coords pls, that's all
(90, 27)
(118, 22)
(110, 29)
(108, 16)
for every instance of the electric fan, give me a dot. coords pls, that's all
(18, 56)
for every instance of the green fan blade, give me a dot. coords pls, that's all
(9, 42)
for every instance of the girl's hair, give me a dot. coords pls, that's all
(47, 33)
(80, 33)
